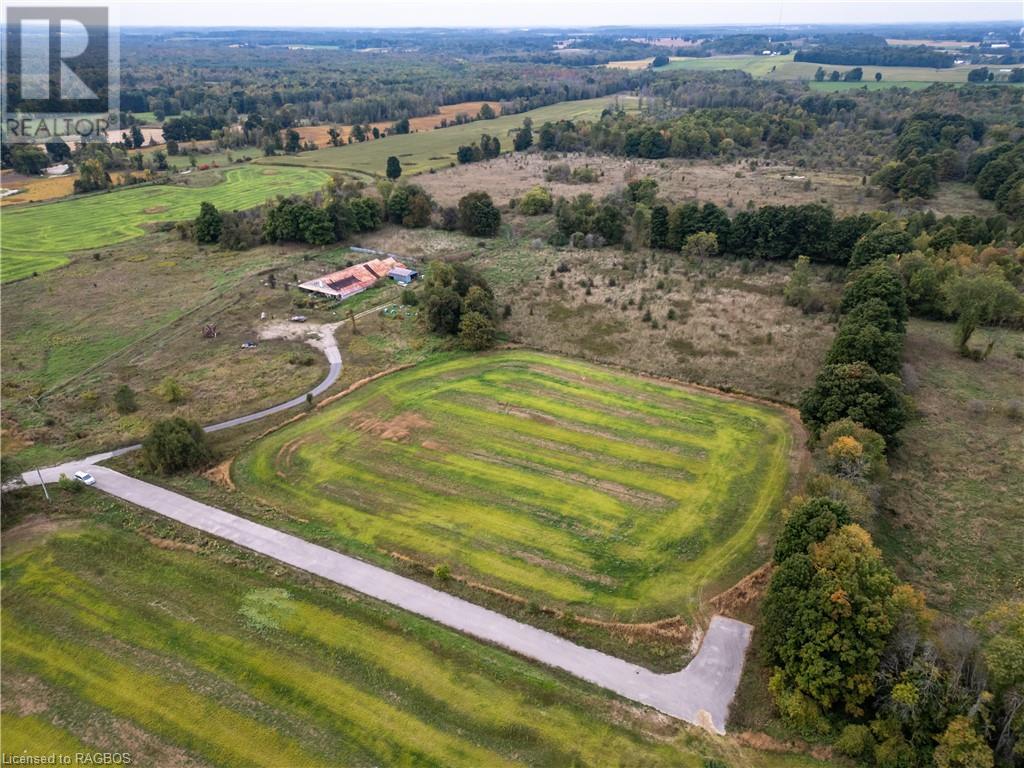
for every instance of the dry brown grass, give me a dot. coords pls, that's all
(731, 330)
(732, 185)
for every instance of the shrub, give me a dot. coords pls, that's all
(827, 486)
(409, 298)
(175, 445)
(857, 742)
(536, 201)
(124, 400)
(69, 485)
(170, 391)
(872, 444)
(478, 216)
(476, 331)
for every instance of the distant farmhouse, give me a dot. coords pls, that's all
(357, 278)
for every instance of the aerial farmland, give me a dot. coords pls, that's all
(470, 387)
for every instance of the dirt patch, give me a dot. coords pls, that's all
(221, 474)
(743, 593)
(156, 209)
(396, 429)
(34, 528)
(433, 445)
(766, 743)
(24, 695)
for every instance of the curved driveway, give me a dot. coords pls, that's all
(699, 694)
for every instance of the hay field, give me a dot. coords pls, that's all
(125, 633)
(419, 152)
(554, 479)
(39, 237)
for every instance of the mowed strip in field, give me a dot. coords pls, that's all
(192, 654)
(419, 152)
(39, 237)
(555, 479)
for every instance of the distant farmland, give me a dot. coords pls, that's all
(425, 150)
(39, 237)
(784, 68)
(557, 480)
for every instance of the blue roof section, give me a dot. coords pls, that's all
(402, 272)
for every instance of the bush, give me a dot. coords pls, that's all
(872, 445)
(409, 298)
(878, 281)
(476, 331)
(536, 201)
(175, 445)
(68, 484)
(857, 742)
(124, 400)
(170, 391)
(478, 216)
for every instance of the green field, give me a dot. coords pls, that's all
(425, 150)
(551, 478)
(784, 68)
(39, 237)
(195, 653)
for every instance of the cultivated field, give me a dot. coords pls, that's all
(40, 237)
(125, 633)
(427, 150)
(784, 68)
(954, 517)
(554, 479)
(318, 133)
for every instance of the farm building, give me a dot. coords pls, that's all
(403, 276)
(357, 278)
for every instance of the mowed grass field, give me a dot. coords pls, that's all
(39, 237)
(125, 634)
(784, 68)
(419, 152)
(560, 481)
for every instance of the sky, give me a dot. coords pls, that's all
(546, 13)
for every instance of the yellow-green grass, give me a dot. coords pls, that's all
(558, 480)
(40, 237)
(179, 657)
(419, 152)
(784, 68)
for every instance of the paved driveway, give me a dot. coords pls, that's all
(699, 694)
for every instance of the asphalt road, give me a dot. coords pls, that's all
(700, 693)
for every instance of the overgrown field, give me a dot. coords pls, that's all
(134, 317)
(954, 518)
(123, 633)
(557, 480)
(38, 237)
(419, 152)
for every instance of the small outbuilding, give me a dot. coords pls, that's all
(403, 275)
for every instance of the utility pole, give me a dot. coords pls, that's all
(43, 483)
